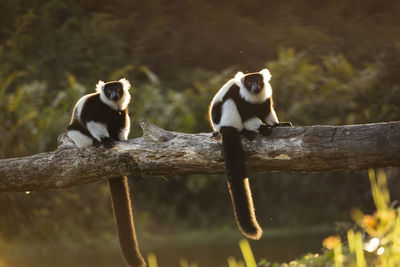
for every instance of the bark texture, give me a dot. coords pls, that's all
(160, 152)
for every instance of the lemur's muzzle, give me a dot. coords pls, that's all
(255, 88)
(114, 96)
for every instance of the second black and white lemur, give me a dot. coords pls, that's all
(243, 106)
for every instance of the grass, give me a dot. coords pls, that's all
(375, 243)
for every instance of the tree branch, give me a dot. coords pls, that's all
(160, 152)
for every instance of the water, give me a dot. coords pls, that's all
(205, 253)
(277, 249)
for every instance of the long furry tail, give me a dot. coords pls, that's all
(238, 183)
(121, 202)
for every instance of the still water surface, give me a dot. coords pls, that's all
(205, 254)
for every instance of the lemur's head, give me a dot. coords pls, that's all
(115, 93)
(254, 82)
(113, 90)
(254, 87)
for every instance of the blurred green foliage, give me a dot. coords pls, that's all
(337, 65)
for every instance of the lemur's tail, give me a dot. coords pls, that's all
(238, 183)
(121, 202)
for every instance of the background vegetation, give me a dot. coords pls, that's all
(333, 62)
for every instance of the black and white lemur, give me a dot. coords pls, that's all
(243, 106)
(99, 119)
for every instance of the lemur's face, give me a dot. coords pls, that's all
(253, 82)
(113, 91)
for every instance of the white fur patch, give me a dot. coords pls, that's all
(267, 77)
(266, 74)
(252, 98)
(218, 98)
(107, 101)
(100, 86)
(81, 140)
(252, 124)
(239, 76)
(230, 115)
(123, 135)
(97, 130)
(222, 92)
(126, 98)
(126, 85)
(271, 118)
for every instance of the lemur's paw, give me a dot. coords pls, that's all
(216, 135)
(284, 124)
(96, 143)
(250, 135)
(108, 143)
(265, 130)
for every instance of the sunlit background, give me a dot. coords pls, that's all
(332, 62)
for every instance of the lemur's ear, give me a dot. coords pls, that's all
(239, 75)
(125, 84)
(266, 74)
(100, 86)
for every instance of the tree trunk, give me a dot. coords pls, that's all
(160, 152)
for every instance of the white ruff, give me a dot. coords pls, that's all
(100, 86)
(124, 101)
(123, 134)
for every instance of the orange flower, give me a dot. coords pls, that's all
(369, 221)
(331, 241)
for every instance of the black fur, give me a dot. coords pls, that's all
(248, 110)
(121, 202)
(96, 110)
(216, 112)
(238, 183)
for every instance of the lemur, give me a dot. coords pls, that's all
(99, 119)
(243, 106)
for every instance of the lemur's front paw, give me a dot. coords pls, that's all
(216, 135)
(108, 142)
(265, 130)
(250, 135)
(96, 143)
(284, 124)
